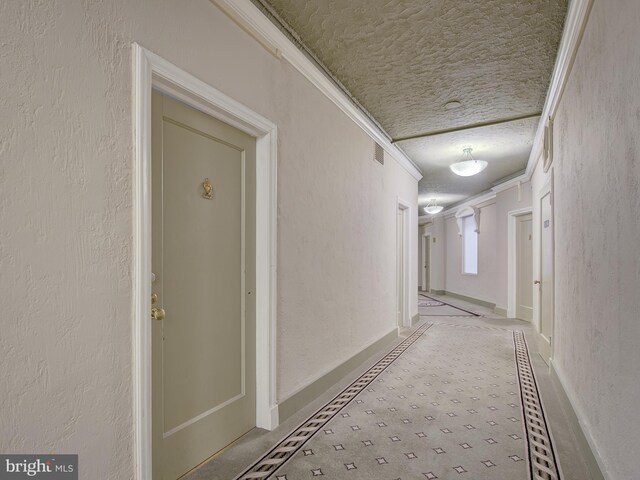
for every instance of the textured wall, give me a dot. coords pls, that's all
(491, 282)
(66, 214)
(597, 200)
(506, 201)
(482, 285)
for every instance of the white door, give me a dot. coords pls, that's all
(400, 267)
(546, 276)
(524, 267)
(203, 260)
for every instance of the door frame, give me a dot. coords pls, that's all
(406, 261)
(545, 345)
(153, 72)
(512, 238)
(426, 238)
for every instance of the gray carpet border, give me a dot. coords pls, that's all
(542, 456)
(283, 451)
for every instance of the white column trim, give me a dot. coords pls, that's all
(408, 261)
(574, 26)
(151, 71)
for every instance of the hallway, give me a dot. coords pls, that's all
(363, 223)
(445, 400)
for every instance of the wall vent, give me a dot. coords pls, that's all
(378, 153)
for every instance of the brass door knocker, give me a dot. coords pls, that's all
(208, 189)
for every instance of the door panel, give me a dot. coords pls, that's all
(546, 276)
(427, 263)
(204, 262)
(400, 260)
(524, 268)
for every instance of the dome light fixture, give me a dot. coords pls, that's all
(468, 166)
(432, 207)
(452, 104)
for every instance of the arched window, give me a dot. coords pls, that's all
(468, 219)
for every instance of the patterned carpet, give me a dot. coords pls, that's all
(449, 402)
(431, 307)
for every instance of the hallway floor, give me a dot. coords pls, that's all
(444, 402)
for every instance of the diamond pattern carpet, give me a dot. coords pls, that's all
(449, 402)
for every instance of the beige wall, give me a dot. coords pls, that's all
(482, 285)
(514, 198)
(66, 215)
(491, 283)
(596, 173)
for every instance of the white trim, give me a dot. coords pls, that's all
(311, 380)
(470, 202)
(426, 240)
(252, 20)
(513, 182)
(574, 25)
(408, 261)
(151, 71)
(547, 189)
(468, 211)
(142, 264)
(512, 258)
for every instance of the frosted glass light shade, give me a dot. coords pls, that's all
(468, 168)
(433, 209)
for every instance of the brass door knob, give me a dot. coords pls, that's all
(154, 298)
(536, 282)
(157, 313)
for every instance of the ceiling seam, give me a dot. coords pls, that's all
(471, 126)
(293, 36)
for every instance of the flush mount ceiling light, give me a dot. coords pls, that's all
(432, 207)
(468, 166)
(452, 105)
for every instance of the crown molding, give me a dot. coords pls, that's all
(250, 19)
(574, 26)
(512, 182)
(475, 201)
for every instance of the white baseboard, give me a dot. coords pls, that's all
(579, 425)
(319, 383)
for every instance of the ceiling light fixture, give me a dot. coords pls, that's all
(432, 207)
(452, 105)
(468, 166)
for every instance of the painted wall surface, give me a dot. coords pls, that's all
(482, 285)
(596, 174)
(491, 282)
(514, 198)
(66, 214)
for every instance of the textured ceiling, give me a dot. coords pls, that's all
(404, 59)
